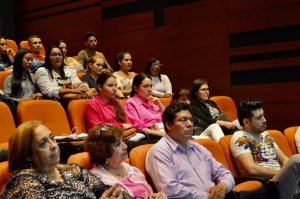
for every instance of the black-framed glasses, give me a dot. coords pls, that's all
(155, 64)
(54, 55)
(183, 120)
(205, 89)
(105, 128)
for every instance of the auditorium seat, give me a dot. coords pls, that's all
(290, 134)
(3, 75)
(7, 125)
(227, 105)
(24, 44)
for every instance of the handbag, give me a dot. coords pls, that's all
(129, 133)
(71, 96)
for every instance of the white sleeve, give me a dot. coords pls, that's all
(167, 83)
(47, 85)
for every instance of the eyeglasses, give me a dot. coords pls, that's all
(105, 128)
(54, 55)
(183, 120)
(205, 89)
(146, 86)
(155, 64)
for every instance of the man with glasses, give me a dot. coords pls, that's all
(84, 56)
(35, 44)
(181, 168)
(257, 154)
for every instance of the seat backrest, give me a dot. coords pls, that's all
(3, 75)
(76, 110)
(289, 134)
(82, 159)
(48, 111)
(122, 102)
(227, 105)
(165, 101)
(215, 149)
(4, 173)
(12, 44)
(281, 142)
(24, 44)
(137, 158)
(80, 74)
(7, 124)
(225, 145)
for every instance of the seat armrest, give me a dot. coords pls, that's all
(241, 179)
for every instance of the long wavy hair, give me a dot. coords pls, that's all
(120, 113)
(18, 71)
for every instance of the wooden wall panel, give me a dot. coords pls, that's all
(69, 26)
(26, 6)
(287, 92)
(195, 11)
(128, 23)
(264, 19)
(185, 56)
(111, 3)
(237, 6)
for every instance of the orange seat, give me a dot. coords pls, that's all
(48, 111)
(122, 102)
(281, 142)
(24, 44)
(7, 126)
(82, 159)
(227, 105)
(165, 101)
(80, 74)
(3, 75)
(75, 57)
(76, 110)
(289, 134)
(12, 44)
(4, 173)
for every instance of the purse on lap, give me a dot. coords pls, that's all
(71, 96)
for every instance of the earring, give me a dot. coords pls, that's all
(106, 161)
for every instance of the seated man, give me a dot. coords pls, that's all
(184, 169)
(91, 44)
(257, 154)
(35, 45)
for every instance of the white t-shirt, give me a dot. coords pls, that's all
(262, 151)
(297, 139)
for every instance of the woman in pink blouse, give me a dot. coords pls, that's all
(142, 109)
(108, 151)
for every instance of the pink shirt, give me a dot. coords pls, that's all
(136, 189)
(140, 115)
(98, 111)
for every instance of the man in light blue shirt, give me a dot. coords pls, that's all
(184, 169)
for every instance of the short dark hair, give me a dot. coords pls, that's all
(149, 64)
(196, 85)
(171, 111)
(99, 144)
(180, 93)
(31, 37)
(137, 81)
(245, 109)
(87, 35)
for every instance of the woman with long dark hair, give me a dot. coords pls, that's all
(20, 85)
(5, 62)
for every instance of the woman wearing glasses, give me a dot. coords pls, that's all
(211, 122)
(108, 151)
(142, 109)
(53, 75)
(123, 64)
(161, 84)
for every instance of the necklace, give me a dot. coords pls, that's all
(116, 173)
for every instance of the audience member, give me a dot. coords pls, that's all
(5, 62)
(142, 109)
(123, 64)
(211, 122)
(35, 44)
(297, 139)
(53, 76)
(68, 61)
(182, 95)
(108, 151)
(161, 84)
(172, 162)
(256, 153)
(83, 58)
(34, 163)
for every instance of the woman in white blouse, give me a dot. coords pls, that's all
(161, 84)
(53, 75)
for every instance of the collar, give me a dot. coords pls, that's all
(102, 101)
(138, 100)
(174, 146)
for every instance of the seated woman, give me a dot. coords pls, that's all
(212, 121)
(142, 109)
(20, 85)
(182, 95)
(108, 151)
(52, 76)
(95, 67)
(33, 162)
(68, 61)
(5, 62)
(124, 78)
(161, 84)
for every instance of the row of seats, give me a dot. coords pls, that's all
(23, 44)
